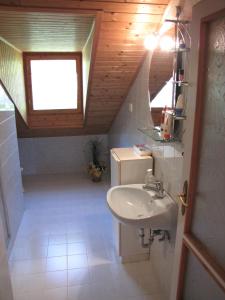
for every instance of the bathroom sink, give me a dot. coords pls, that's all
(133, 205)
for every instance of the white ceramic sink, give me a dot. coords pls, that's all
(133, 205)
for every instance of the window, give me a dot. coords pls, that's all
(53, 82)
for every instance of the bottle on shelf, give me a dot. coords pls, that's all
(149, 177)
(179, 105)
(181, 75)
(168, 124)
(182, 44)
(162, 120)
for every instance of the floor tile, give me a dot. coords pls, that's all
(28, 267)
(77, 261)
(29, 295)
(28, 283)
(80, 276)
(64, 248)
(76, 248)
(57, 250)
(80, 292)
(56, 263)
(74, 237)
(101, 273)
(57, 239)
(55, 279)
(56, 294)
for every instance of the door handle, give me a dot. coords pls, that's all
(183, 198)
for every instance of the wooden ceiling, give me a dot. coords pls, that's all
(32, 31)
(119, 52)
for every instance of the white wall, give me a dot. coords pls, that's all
(168, 161)
(54, 155)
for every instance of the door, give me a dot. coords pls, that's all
(201, 241)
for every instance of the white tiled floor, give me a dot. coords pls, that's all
(64, 248)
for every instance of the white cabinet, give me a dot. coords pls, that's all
(127, 168)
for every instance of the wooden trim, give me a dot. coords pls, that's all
(214, 16)
(208, 262)
(153, 8)
(10, 45)
(182, 269)
(97, 27)
(28, 56)
(68, 10)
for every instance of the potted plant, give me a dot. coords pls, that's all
(95, 167)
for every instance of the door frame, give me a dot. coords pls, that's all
(189, 242)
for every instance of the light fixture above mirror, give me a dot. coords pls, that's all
(178, 41)
(154, 40)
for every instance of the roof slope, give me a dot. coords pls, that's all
(118, 54)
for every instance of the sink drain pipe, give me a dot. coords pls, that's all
(142, 238)
(164, 235)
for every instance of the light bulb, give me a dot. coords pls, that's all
(151, 41)
(166, 43)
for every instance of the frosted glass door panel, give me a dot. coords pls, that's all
(199, 285)
(209, 217)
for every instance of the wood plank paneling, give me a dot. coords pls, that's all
(56, 121)
(32, 31)
(106, 6)
(118, 55)
(160, 71)
(137, 18)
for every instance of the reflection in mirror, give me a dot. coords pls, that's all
(161, 100)
(161, 71)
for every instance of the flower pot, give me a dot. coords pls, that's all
(95, 173)
(97, 178)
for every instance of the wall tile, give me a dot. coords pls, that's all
(56, 155)
(10, 174)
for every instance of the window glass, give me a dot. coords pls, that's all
(54, 84)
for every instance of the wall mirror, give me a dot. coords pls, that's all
(168, 79)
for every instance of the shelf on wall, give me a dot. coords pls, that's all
(179, 118)
(180, 83)
(178, 50)
(155, 134)
(176, 117)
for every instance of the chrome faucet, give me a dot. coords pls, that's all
(153, 185)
